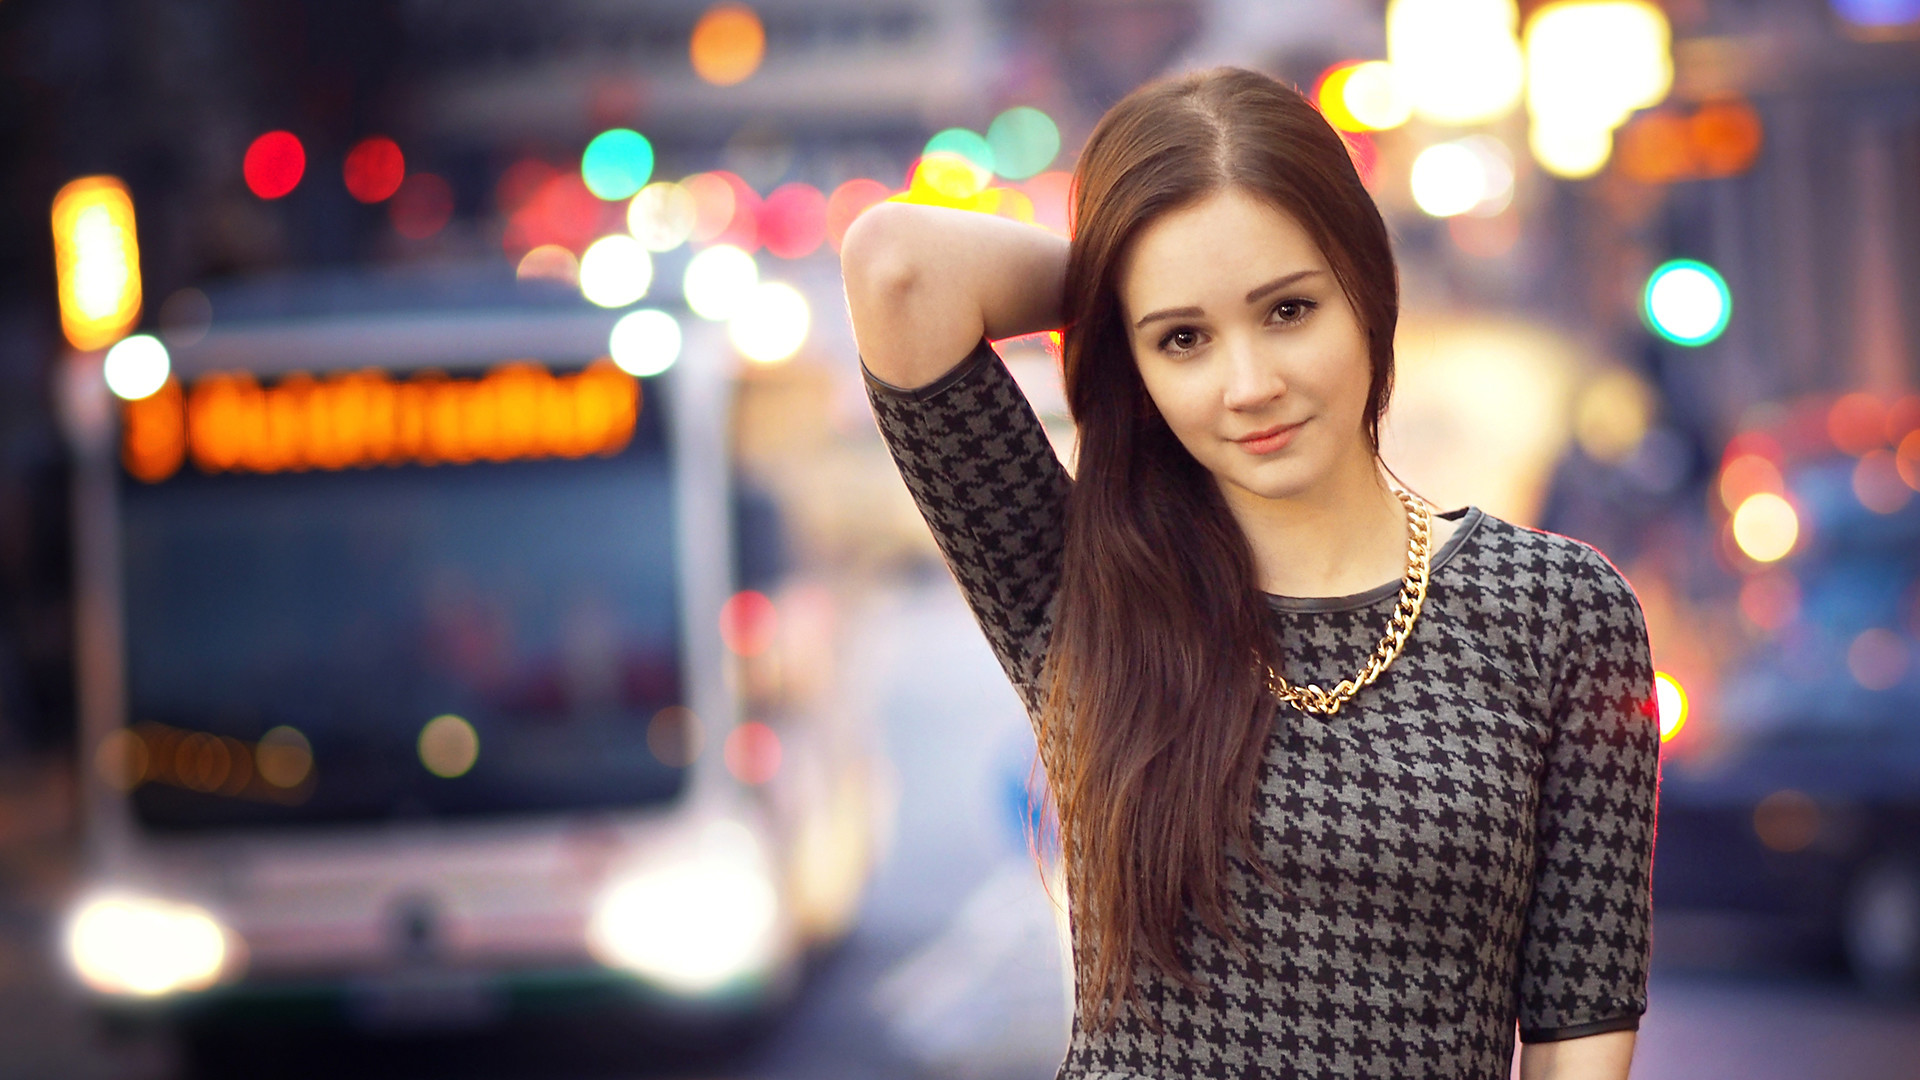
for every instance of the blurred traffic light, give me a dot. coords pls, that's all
(96, 255)
(274, 164)
(374, 169)
(617, 164)
(1687, 302)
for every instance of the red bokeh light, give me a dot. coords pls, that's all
(374, 169)
(547, 206)
(747, 622)
(421, 207)
(847, 202)
(1857, 423)
(743, 228)
(274, 164)
(793, 220)
(752, 753)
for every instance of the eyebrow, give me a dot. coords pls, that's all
(1253, 297)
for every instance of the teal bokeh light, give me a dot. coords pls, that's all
(1024, 141)
(617, 163)
(968, 144)
(1687, 302)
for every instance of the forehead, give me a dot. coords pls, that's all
(1216, 247)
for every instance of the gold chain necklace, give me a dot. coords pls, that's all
(1413, 592)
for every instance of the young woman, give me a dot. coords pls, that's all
(1346, 787)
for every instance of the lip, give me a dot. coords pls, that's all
(1269, 439)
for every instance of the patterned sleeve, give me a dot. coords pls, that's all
(1588, 936)
(977, 461)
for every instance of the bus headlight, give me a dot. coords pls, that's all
(145, 947)
(693, 924)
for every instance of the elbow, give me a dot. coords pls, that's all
(875, 256)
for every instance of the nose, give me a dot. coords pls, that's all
(1251, 379)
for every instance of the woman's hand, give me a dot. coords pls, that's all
(1594, 1057)
(925, 282)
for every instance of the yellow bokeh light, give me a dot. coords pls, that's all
(448, 746)
(1766, 527)
(728, 44)
(663, 214)
(1748, 474)
(1374, 97)
(1611, 415)
(284, 757)
(1459, 61)
(1590, 64)
(96, 254)
(1671, 700)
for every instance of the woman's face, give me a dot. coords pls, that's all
(1247, 345)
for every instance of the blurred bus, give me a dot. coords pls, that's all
(435, 670)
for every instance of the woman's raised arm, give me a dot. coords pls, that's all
(925, 282)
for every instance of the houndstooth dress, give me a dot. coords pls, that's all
(1467, 842)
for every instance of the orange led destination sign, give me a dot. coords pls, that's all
(518, 411)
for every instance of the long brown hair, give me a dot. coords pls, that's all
(1156, 717)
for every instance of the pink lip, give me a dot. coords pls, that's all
(1273, 438)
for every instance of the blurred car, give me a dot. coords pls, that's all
(1802, 810)
(435, 670)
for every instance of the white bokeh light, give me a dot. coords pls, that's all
(615, 271)
(1448, 179)
(771, 323)
(662, 216)
(1686, 303)
(645, 342)
(718, 279)
(137, 366)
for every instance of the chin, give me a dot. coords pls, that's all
(1279, 480)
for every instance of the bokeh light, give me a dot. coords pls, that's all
(662, 215)
(1878, 14)
(695, 923)
(752, 752)
(1857, 423)
(1470, 175)
(145, 947)
(1052, 195)
(1878, 485)
(1687, 302)
(1766, 527)
(422, 206)
(1374, 98)
(849, 201)
(1590, 64)
(748, 622)
(1612, 414)
(136, 367)
(1906, 460)
(374, 169)
(1670, 698)
(273, 164)
(946, 178)
(1725, 137)
(675, 737)
(1878, 658)
(728, 44)
(1747, 475)
(546, 206)
(284, 757)
(965, 143)
(617, 163)
(548, 262)
(96, 254)
(615, 271)
(1023, 141)
(770, 323)
(793, 220)
(717, 279)
(645, 342)
(1458, 61)
(448, 746)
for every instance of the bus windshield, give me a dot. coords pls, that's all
(403, 640)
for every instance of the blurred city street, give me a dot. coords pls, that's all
(954, 972)
(460, 618)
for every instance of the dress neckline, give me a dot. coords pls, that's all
(1469, 517)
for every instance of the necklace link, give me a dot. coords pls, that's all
(1413, 593)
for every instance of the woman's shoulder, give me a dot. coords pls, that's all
(1521, 560)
